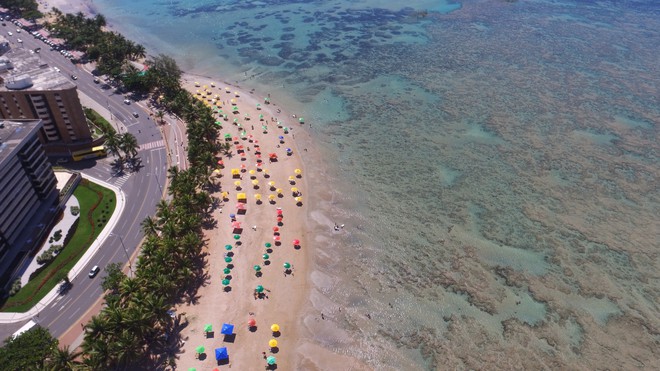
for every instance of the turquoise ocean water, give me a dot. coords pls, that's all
(495, 163)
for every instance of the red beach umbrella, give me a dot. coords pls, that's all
(236, 225)
(279, 211)
(296, 242)
(275, 229)
(252, 322)
(279, 219)
(276, 238)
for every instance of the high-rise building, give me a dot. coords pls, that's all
(28, 193)
(30, 89)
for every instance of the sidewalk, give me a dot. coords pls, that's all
(10, 317)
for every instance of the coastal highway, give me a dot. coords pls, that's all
(142, 189)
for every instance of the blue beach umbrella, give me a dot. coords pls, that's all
(221, 353)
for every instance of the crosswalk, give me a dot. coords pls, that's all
(150, 145)
(121, 180)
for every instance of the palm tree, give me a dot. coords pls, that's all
(160, 114)
(149, 226)
(128, 144)
(112, 143)
(65, 359)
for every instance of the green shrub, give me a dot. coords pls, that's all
(75, 210)
(15, 287)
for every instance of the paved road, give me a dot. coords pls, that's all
(142, 189)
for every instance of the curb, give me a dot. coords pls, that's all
(12, 317)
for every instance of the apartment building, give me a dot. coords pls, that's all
(30, 89)
(28, 193)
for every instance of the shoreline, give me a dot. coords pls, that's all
(302, 349)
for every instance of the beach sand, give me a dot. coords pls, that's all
(285, 294)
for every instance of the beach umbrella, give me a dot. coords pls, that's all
(275, 327)
(236, 94)
(237, 236)
(252, 322)
(268, 244)
(279, 124)
(199, 349)
(261, 117)
(265, 256)
(272, 343)
(271, 184)
(227, 329)
(235, 121)
(257, 197)
(279, 191)
(224, 194)
(227, 136)
(271, 360)
(232, 215)
(221, 353)
(294, 190)
(279, 219)
(240, 205)
(259, 289)
(236, 225)
(235, 171)
(192, 369)
(298, 199)
(271, 197)
(276, 229)
(226, 271)
(289, 150)
(286, 130)
(298, 171)
(233, 101)
(241, 196)
(279, 211)
(280, 137)
(196, 83)
(296, 242)
(252, 172)
(276, 238)
(228, 259)
(301, 120)
(207, 328)
(257, 268)
(237, 183)
(287, 265)
(255, 182)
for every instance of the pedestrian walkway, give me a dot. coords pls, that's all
(150, 145)
(121, 180)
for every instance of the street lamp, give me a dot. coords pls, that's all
(130, 267)
(158, 181)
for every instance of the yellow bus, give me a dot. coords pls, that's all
(94, 152)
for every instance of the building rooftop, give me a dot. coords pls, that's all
(12, 133)
(42, 76)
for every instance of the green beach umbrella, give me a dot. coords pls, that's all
(235, 120)
(287, 265)
(226, 271)
(228, 259)
(225, 116)
(207, 328)
(265, 256)
(286, 130)
(237, 236)
(258, 106)
(228, 247)
(261, 117)
(257, 268)
(234, 108)
(264, 127)
(192, 369)
(247, 115)
(259, 288)
(279, 124)
(218, 123)
(199, 349)
(227, 136)
(271, 360)
(301, 120)
(266, 100)
(225, 282)
(267, 244)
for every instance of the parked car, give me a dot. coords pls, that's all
(136, 115)
(127, 101)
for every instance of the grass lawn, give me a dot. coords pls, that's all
(96, 206)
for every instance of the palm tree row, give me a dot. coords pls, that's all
(134, 326)
(118, 143)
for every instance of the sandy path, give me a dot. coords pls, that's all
(285, 293)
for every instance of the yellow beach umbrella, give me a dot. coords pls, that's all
(224, 194)
(235, 172)
(196, 84)
(294, 189)
(272, 343)
(275, 327)
(298, 199)
(271, 197)
(237, 183)
(241, 196)
(252, 172)
(279, 191)
(233, 100)
(298, 171)
(271, 184)
(212, 84)
(292, 178)
(255, 182)
(236, 94)
(257, 196)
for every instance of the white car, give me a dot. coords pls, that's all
(56, 69)
(95, 270)
(9, 33)
(127, 101)
(18, 30)
(19, 40)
